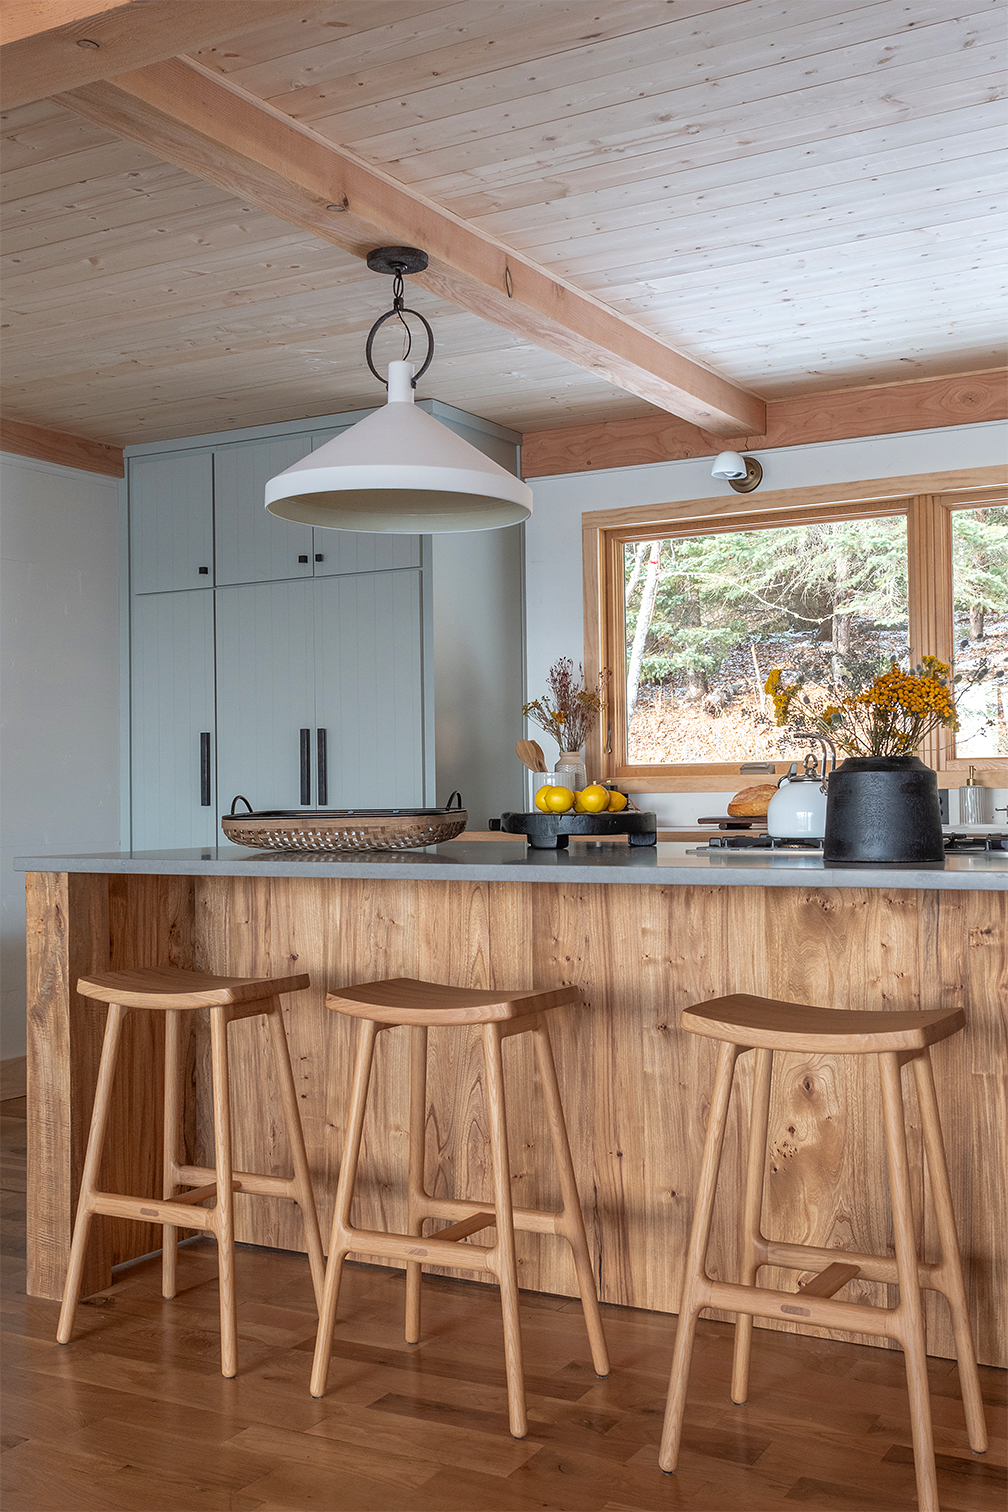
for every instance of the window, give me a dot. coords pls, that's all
(695, 604)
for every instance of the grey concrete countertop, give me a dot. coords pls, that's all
(667, 864)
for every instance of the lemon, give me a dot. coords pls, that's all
(595, 798)
(617, 801)
(558, 800)
(540, 798)
(579, 807)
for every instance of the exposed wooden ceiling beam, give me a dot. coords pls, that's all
(181, 111)
(50, 45)
(838, 415)
(53, 446)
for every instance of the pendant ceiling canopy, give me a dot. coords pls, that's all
(399, 471)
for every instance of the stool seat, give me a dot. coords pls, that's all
(770, 1025)
(161, 987)
(406, 1001)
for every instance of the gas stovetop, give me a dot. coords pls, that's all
(956, 844)
(965, 842)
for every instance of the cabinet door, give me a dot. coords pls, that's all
(369, 689)
(337, 551)
(265, 693)
(253, 546)
(174, 799)
(171, 522)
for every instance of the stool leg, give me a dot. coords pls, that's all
(506, 1257)
(696, 1256)
(415, 1188)
(759, 1122)
(89, 1176)
(951, 1261)
(224, 1210)
(344, 1197)
(172, 1119)
(299, 1155)
(573, 1218)
(910, 1313)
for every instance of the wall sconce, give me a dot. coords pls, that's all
(742, 473)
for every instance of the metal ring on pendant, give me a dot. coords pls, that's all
(374, 331)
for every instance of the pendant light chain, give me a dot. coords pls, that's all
(399, 310)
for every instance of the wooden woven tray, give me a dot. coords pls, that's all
(344, 829)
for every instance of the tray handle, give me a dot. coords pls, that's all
(240, 798)
(448, 805)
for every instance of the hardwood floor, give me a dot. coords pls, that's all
(134, 1413)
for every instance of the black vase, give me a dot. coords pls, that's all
(883, 809)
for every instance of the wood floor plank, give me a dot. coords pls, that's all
(134, 1413)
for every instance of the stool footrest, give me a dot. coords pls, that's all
(179, 1213)
(528, 1220)
(829, 1281)
(872, 1267)
(253, 1182)
(466, 1226)
(433, 1251)
(758, 1302)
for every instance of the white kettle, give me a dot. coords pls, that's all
(797, 811)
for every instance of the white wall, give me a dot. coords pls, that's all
(478, 690)
(59, 643)
(553, 584)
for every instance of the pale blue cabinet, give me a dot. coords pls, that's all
(173, 735)
(320, 692)
(369, 688)
(171, 522)
(253, 546)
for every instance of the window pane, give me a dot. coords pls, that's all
(707, 617)
(980, 618)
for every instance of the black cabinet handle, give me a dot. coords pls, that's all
(323, 770)
(204, 768)
(319, 557)
(305, 767)
(302, 558)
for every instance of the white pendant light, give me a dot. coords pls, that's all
(399, 471)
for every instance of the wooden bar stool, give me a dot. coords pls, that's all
(383, 1005)
(173, 993)
(743, 1023)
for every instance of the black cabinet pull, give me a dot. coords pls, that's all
(204, 768)
(302, 558)
(305, 768)
(319, 557)
(204, 572)
(323, 770)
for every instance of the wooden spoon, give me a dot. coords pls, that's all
(531, 754)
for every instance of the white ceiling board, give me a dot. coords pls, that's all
(800, 197)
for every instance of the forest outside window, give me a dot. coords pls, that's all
(695, 609)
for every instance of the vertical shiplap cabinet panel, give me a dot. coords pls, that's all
(360, 550)
(171, 521)
(172, 677)
(369, 688)
(253, 546)
(265, 692)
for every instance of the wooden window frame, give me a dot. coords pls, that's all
(927, 504)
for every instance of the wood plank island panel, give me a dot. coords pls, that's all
(635, 1086)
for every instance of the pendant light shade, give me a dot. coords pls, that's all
(399, 471)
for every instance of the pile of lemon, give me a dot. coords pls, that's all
(594, 799)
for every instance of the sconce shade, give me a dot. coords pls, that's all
(399, 471)
(728, 465)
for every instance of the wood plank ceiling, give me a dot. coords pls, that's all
(800, 198)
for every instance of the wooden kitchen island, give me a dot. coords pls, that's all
(644, 933)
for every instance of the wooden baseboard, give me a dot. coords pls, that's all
(13, 1076)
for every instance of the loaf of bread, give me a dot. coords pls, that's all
(752, 802)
